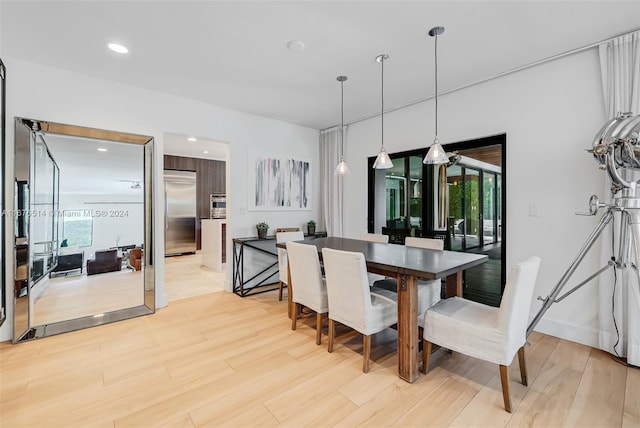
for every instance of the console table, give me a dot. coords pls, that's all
(260, 274)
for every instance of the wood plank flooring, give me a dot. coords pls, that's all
(222, 360)
(76, 296)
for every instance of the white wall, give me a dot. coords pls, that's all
(45, 93)
(550, 114)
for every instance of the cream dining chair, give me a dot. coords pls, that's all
(484, 332)
(374, 237)
(282, 257)
(429, 290)
(352, 302)
(378, 238)
(311, 290)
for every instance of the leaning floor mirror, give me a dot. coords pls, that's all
(82, 227)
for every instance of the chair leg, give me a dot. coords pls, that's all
(280, 291)
(504, 378)
(366, 352)
(426, 354)
(318, 328)
(523, 366)
(294, 317)
(332, 333)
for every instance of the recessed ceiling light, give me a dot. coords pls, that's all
(296, 45)
(118, 48)
(205, 151)
(192, 139)
(102, 149)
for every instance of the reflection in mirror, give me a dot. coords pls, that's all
(3, 312)
(82, 228)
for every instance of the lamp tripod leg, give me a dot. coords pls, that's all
(551, 298)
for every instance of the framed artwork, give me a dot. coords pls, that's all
(279, 183)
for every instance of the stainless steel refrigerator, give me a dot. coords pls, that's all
(180, 212)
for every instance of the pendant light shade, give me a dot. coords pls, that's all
(383, 161)
(342, 168)
(436, 154)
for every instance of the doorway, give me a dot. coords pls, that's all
(201, 267)
(463, 203)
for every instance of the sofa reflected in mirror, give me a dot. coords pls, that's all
(68, 262)
(104, 261)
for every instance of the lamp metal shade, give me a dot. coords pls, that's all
(436, 154)
(383, 161)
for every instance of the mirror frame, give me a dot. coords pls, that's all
(3, 257)
(23, 330)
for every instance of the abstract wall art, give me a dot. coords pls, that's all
(279, 183)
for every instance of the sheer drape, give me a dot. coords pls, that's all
(619, 297)
(620, 66)
(331, 188)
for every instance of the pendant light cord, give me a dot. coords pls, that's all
(382, 98)
(436, 96)
(341, 120)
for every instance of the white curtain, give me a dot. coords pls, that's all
(331, 187)
(619, 297)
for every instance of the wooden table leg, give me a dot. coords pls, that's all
(454, 285)
(408, 327)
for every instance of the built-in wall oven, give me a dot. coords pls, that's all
(218, 205)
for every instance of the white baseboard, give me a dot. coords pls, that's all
(573, 332)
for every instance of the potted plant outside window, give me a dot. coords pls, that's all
(262, 229)
(311, 227)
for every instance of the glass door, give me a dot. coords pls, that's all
(489, 209)
(403, 199)
(472, 210)
(465, 210)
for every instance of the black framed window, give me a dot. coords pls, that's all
(463, 203)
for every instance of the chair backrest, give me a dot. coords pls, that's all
(307, 276)
(106, 255)
(282, 253)
(135, 258)
(287, 229)
(289, 236)
(516, 299)
(347, 287)
(374, 237)
(428, 243)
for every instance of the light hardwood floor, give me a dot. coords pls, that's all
(75, 296)
(186, 277)
(222, 360)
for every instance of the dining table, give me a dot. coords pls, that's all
(406, 264)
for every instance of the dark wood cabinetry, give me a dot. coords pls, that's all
(210, 178)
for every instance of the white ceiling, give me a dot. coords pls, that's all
(86, 171)
(179, 145)
(234, 54)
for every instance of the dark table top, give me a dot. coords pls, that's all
(394, 258)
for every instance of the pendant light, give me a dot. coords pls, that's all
(383, 161)
(436, 154)
(342, 168)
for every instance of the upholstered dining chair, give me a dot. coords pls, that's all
(379, 238)
(484, 332)
(352, 302)
(429, 290)
(311, 290)
(374, 237)
(282, 257)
